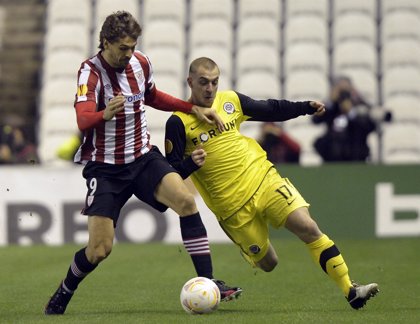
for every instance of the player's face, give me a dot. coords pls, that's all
(203, 84)
(119, 53)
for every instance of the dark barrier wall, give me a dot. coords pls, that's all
(356, 201)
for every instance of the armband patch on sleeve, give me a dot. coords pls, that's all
(82, 90)
(168, 146)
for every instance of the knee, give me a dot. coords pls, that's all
(311, 231)
(272, 264)
(99, 252)
(268, 264)
(310, 228)
(187, 204)
(302, 225)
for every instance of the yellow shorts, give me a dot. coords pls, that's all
(271, 204)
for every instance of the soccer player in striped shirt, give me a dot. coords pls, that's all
(238, 183)
(113, 88)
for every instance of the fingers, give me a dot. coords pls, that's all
(209, 115)
(117, 101)
(317, 104)
(200, 160)
(199, 152)
(115, 105)
(199, 155)
(218, 121)
(319, 107)
(207, 120)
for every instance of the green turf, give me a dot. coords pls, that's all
(141, 284)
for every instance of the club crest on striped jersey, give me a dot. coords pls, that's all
(139, 75)
(229, 107)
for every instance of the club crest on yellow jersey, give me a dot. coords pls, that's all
(229, 107)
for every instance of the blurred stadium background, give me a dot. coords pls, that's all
(265, 48)
(270, 48)
(273, 48)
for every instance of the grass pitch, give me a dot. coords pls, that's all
(141, 284)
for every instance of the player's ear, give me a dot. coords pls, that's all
(106, 43)
(189, 81)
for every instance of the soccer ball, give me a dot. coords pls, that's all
(200, 295)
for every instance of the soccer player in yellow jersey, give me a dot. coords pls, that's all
(241, 187)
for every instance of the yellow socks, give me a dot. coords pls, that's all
(326, 254)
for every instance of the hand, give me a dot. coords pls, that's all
(208, 115)
(115, 105)
(199, 156)
(319, 107)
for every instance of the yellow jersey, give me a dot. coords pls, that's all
(235, 164)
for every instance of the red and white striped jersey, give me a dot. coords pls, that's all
(125, 137)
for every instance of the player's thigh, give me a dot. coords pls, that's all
(171, 188)
(172, 192)
(159, 185)
(249, 231)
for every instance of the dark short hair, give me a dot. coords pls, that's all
(118, 25)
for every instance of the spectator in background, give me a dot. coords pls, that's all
(14, 146)
(280, 147)
(348, 124)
